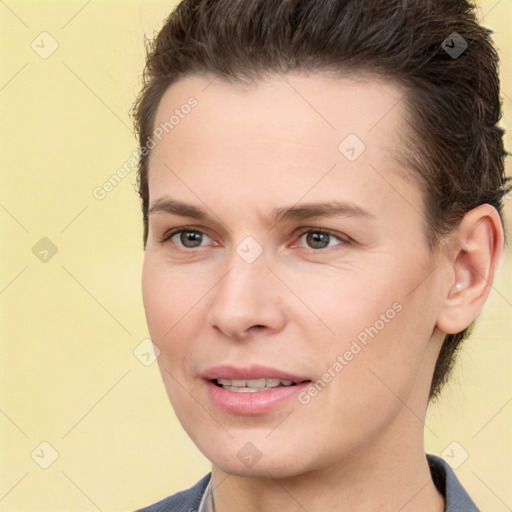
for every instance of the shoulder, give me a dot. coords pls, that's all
(184, 501)
(447, 483)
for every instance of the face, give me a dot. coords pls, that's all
(282, 249)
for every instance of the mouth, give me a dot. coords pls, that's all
(246, 391)
(254, 385)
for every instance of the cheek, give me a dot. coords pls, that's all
(174, 303)
(378, 328)
(157, 302)
(168, 296)
(163, 305)
(347, 303)
(169, 301)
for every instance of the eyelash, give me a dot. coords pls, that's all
(169, 234)
(305, 231)
(343, 241)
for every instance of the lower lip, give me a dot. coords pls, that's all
(257, 402)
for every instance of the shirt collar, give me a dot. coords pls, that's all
(447, 483)
(206, 504)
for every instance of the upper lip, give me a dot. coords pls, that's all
(251, 372)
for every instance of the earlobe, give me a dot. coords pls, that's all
(476, 248)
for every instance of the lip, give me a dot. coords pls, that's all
(258, 402)
(255, 371)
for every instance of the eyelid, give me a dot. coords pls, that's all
(343, 239)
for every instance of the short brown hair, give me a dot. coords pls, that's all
(455, 148)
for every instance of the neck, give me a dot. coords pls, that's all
(384, 478)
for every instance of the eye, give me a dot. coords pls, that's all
(319, 239)
(185, 237)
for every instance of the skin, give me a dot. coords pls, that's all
(243, 152)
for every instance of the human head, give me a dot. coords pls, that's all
(454, 149)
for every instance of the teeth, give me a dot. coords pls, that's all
(257, 383)
(245, 390)
(251, 385)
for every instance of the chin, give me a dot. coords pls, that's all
(250, 462)
(260, 470)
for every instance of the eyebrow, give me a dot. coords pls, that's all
(302, 212)
(319, 210)
(175, 207)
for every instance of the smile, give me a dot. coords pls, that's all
(252, 385)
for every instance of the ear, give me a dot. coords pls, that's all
(473, 257)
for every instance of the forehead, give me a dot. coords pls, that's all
(365, 105)
(283, 133)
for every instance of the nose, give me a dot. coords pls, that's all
(247, 301)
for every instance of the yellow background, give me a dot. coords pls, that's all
(69, 326)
